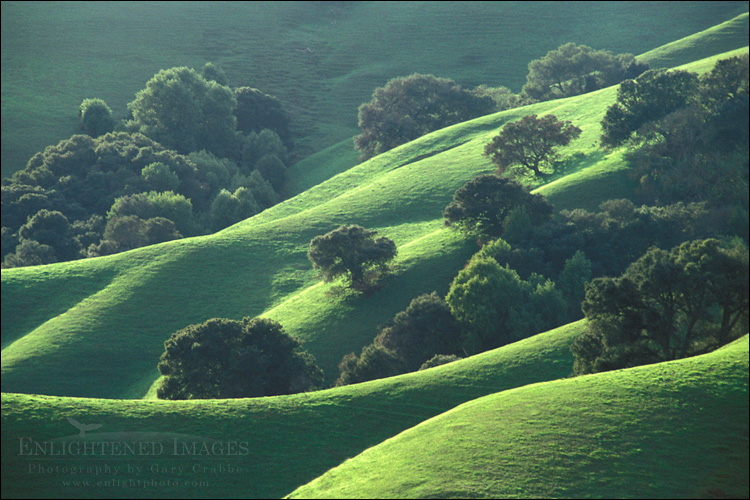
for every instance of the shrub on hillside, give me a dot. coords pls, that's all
(222, 358)
(424, 329)
(96, 117)
(438, 360)
(374, 362)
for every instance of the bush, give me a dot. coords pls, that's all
(222, 358)
(96, 117)
(481, 206)
(439, 359)
(374, 362)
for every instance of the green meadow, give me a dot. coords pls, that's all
(81, 339)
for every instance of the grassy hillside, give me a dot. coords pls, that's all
(671, 430)
(119, 310)
(74, 332)
(715, 40)
(292, 439)
(322, 59)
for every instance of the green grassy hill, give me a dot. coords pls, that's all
(120, 309)
(670, 430)
(292, 439)
(78, 331)
(322, 59)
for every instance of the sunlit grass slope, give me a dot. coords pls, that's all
(724, 37)
(96, 328)
(322, 59)
(292, 439)
(671, 430)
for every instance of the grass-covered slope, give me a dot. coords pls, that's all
(322, 59)
(96, 328)
(671, 430)
(291, 439)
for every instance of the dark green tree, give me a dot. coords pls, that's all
(223, 358)
(424, 329)
(213, 73)
(667, 305)
(374, 362)
(182, 111)
(496, 307)
(531, 142)
(53, 229)
(650, 97)
(354, 252)
(257, 110)
(410, 107)
(96, 117)
(481, 206)
(577, 69)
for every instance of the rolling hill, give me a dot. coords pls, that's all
(670, 430)
(292, 439)
(80, 341)
(120, 309)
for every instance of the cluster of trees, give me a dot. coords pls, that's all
(194, 156)
(409, 107)
(667, 305)
(223, 358)
(687, 136)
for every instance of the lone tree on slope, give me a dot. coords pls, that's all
(531, 142)
(351, 251)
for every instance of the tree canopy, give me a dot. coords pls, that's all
(531, 142)
(410, 107)
(183, 111)
(354, 252)
(96, 117)
(577, 69)
(223, 358)
(482, 205)
(652, 96)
